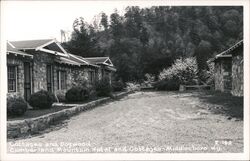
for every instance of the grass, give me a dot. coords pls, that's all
(36, 113)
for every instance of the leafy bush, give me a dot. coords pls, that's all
(130, 86)
(16, 106)
(77, 93)
(42, 99)
(183, 71)
(148, 80)
(79, 79)
(92, 92)
(118, 85)
(60, 96)
(103, 87)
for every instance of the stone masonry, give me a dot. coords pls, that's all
(223, 72)
(237, 73)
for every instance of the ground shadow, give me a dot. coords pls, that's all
(225, 103)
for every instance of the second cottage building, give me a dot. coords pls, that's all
(229, 74)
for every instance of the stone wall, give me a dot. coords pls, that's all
(79, 75)
(227, 74)
(223, 71)
(40, 62)
(237, 73)
(218, 78)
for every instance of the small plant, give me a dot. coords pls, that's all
(16, 106)
(130, 86)
(118, 85)
(42, 99)
(103, 87)
(77, 94)
(149, 79)
(60, 95)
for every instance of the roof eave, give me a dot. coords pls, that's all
(19, 53)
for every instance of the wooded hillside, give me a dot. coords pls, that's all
(146, 40)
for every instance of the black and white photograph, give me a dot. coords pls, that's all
(124, 78)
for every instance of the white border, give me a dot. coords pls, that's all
(183, 156)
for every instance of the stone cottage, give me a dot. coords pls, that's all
(229, 70)
(34, 65)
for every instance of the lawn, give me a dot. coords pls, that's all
(39, 112)
(36, 113)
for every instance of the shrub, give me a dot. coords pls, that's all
(183, 71)
(79, 79)
(118, 85)
(149, 78)
(42, 99)
(77, 93)
(60, 96)
(16, 106)
(92, 92)
(103, 87)
(132, 86)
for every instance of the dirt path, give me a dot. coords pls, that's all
(142, 122)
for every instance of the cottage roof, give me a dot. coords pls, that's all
(100, 60)
(65, 60)
(228, 52)
(30, 44)
(110, 68)
(13, 50)
(53, 47)
(80, 60)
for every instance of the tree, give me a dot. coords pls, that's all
(82, 41)
(203, 52)
(104, 21)
(116, 25)
(150, 39)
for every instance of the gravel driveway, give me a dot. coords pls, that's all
(166, 122)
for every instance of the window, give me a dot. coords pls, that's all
(91, 76)
(103, 73)
(49, 78)
(12, 78)
(61, 80)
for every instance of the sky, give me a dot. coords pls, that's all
(27, 20)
